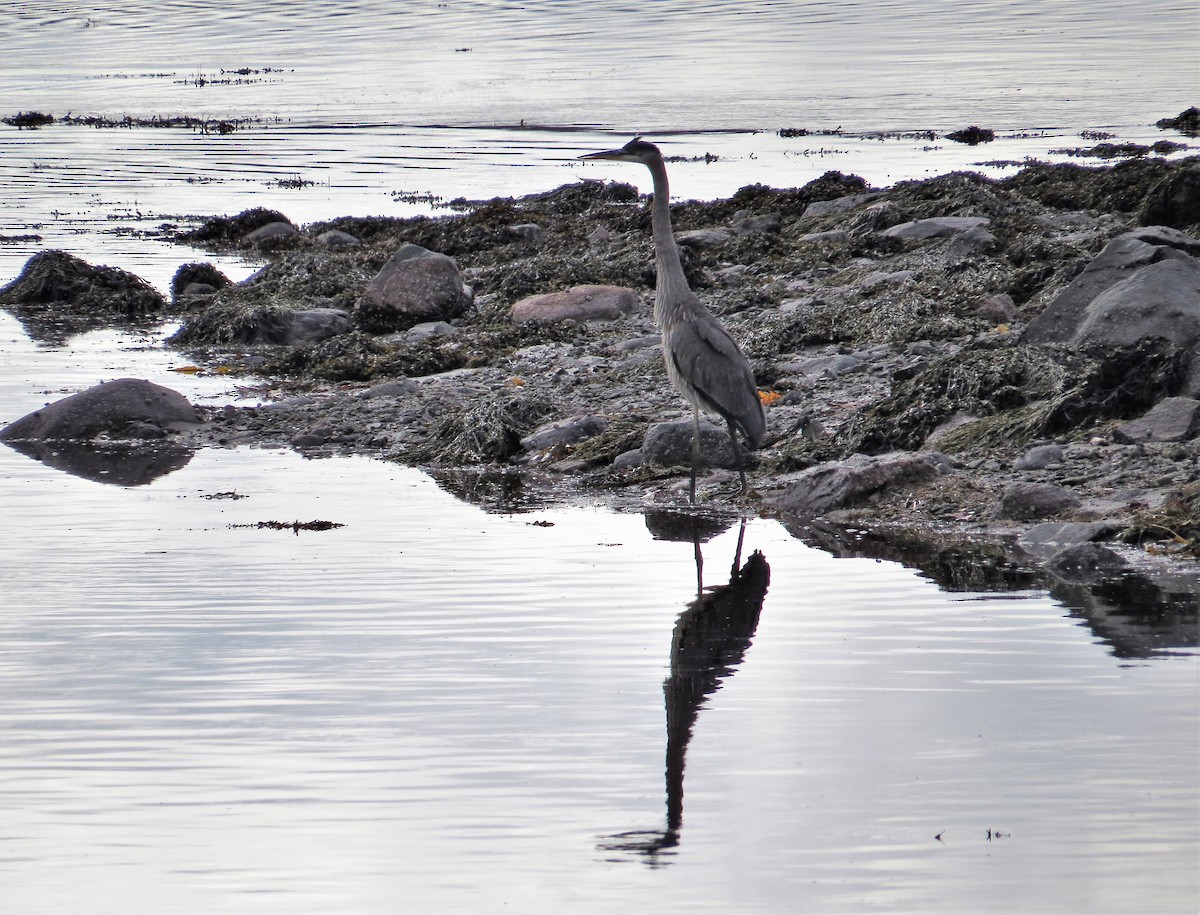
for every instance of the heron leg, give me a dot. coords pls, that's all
(737, 456)
(695, 450)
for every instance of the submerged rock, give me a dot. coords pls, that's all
(125, 408)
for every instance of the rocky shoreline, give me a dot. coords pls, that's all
(1012, 364)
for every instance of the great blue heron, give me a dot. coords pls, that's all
(703, 361)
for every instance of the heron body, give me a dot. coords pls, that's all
(703, 362)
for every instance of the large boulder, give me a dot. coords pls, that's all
(1159, 300)
(125, 408)
(416, 285)
(1082, 311)
(579, 303)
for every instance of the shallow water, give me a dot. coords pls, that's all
(213, 716)
(439, 708)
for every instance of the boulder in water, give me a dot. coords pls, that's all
(125, 408)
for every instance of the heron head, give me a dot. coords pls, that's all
(636, 150)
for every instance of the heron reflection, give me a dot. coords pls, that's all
(709, 643)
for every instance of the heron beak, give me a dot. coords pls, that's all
(614, 155)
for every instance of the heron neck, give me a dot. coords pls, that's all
(671, 283)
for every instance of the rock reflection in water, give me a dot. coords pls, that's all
(495, 490)
(120, 464)
(709, 643)
(1137, 613)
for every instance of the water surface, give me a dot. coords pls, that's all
(214, 716)
(433, 707)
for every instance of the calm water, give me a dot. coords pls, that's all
(439, 708)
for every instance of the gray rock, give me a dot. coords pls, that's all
(732, 276)
(1160, 300)
(336, 238)
(196, 291)
(579, 303)
(1060, 321)
(627, 460)
(704, 238)
(397, 387)
(429, 329)
(271, 235)
(1033, 501)
(1049, 537)
(599, 236)
(888, 278)
(935, 227)
(528, 231)
(1175, 202)
(313, 325)
(114, 408)
(1086, 562)
(564, 432)
(313, 438)
(999, 308)
(1040, 457)
(838, 204)
(416, 285)
(882, 215)
(670, 444)
(823, 366)
(974, 240)
(1173, 419)
(753, 224)
(841, 484)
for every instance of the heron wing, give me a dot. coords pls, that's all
(708, 361)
